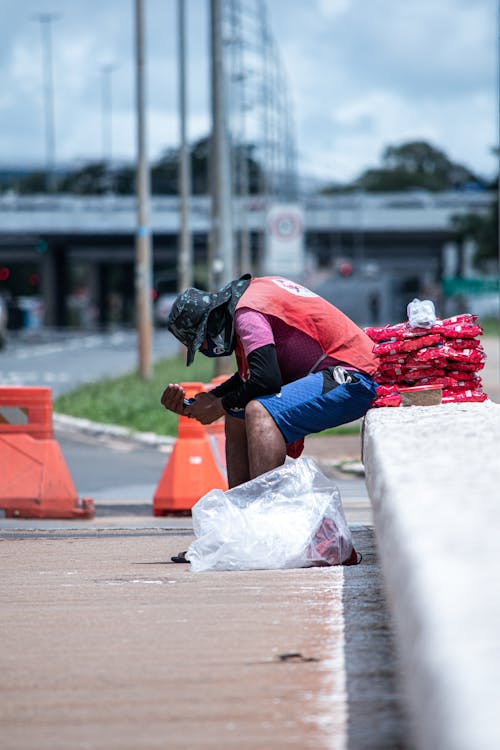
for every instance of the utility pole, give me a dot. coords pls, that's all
(46, 20)
(185, 256)
(221, 256)
(143, 233)
(107, 110)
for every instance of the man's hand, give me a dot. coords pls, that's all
(206, 408)
(173, 399)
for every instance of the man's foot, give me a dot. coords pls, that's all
(180, 558)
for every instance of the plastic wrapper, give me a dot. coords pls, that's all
(459, 397)
(421, 313)
(396, 332)
(457, 330)
(391, 348)
(475, 355)
(468, 318)
(290, 517)
(465, 343)
(459, 368)
(394, 399)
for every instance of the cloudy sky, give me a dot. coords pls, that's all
(362, 74)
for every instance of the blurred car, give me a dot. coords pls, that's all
(3, 322)
(162, 307)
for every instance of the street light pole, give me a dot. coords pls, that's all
(221, 269)
(185, 256)
(107, 109)
(46, 20)
(143, 235)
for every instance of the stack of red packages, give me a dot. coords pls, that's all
(447, 354)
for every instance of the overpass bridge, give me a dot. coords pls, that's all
(69, 246)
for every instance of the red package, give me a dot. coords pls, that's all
(469, 356)
(385, 333)
(463, 318)
(394, 359)
(387, 390)
(390, 372)
(459, 368)
(463, 396)
(417, 373)
(457, 330)
(432, 354)
(466, 385)
(465, 343)
(394, 400)
(405, 345)
(395, 332)
(444, 382)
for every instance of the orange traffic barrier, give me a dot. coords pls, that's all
(34, 479)
(195, 466)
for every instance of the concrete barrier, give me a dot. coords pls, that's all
(433, 476)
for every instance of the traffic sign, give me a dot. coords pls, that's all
(459, 285)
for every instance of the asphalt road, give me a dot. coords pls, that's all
(63, 360)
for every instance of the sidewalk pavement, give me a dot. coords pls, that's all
(106, 643)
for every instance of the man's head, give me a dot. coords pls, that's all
(197, 317)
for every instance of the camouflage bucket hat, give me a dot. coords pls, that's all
(190, 313)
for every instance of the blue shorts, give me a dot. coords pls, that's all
(315, 403)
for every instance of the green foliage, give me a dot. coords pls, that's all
(483, 229)
(97, 178)
(414, 165)
(92, 179)
(131, 402)
(490, 326)
(36, 182)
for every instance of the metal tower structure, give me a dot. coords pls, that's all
(259, 114)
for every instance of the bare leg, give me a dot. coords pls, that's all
(236, 451)
(266, 445)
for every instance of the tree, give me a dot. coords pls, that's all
(415, 165)
(36, 182)
(483, 229)
(91, 179)
(99, 178)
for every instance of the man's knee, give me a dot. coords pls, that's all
(255, 411)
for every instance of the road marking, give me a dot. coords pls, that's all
(19, 377)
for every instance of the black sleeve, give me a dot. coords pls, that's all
(231, 384)
(265, 378)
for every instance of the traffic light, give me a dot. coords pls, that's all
(4, 273)
(345, 268)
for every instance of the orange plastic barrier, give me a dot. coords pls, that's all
(26, 411)
(196, 465)
(34, 479)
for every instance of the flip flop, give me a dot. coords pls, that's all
(180, 558)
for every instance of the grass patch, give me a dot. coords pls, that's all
(131, 402)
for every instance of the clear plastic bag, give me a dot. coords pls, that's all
(290, 517)
(421, 313)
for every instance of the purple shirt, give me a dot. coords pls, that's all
(297, 352)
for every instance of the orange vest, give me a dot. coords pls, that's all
(339, 337)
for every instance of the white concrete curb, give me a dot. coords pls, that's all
(433, 475)
(74, 424)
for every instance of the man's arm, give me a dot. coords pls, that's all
(265, 378)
